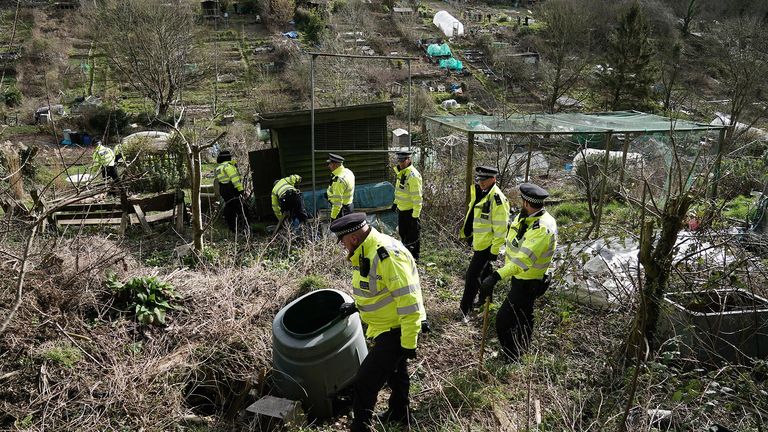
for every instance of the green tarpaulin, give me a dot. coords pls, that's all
(438, 50)
(451, 64)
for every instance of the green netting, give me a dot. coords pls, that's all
(438, 50)
(569, 123)
(451, 64)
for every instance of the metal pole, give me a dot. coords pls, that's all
(312, 131)
(470, 161)
(410, 140)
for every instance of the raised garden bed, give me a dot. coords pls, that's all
(718, 325)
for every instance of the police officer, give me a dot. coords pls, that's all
(385, 284)
(104, 160)
(486, 224)
(530, 244)
(341, 191)
(230, 189)
(287, 198)
(408, 200)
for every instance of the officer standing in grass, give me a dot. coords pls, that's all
(385, 285)
(104, 160)
(530, 245)
(341, 191)
(486, 224)
(230, 189)
(408, 201)
(287, 198)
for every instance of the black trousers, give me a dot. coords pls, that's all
(514, 321)
(385, 364)
(409, 229)
(292, 202)
(109, 171)
(345, 210)
(479, 269)
(233, 207)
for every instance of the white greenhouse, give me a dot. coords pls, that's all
(447, 24)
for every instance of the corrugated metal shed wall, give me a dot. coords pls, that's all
(363, 134)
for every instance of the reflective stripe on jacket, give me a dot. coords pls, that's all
(529, 257)
(408, 190)
(103, 156)
(282, 186)
(490, 221)
(227, 172)
(390, 295)
(341, 190)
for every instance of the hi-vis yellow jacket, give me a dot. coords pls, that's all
(226, 172)
(103, 156)
(490, 221)
(341, 190)
(282, 186)
(408, 190)
(529, 257)
(389, 296)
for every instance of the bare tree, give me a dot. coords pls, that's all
(564, 46)
(741, 63)
(149, 43)
(196, 141)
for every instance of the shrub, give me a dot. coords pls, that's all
(311, 24)
(591, 176)
(156, 171)
(103, 121)
(149, 297)
(739, 176)
(12, 97)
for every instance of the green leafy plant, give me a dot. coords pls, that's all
(65, 355)
(149, 297)
(11, 97)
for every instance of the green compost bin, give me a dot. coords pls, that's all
(315, 353)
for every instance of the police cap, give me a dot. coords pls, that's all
(224, 155)
(348, 224)
(532, 193)
(486, 172)
(332, 157)
(403, 155)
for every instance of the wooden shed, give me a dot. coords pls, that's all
(340, 129)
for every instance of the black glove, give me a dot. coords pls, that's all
(347, 309)
(409, 353)
(486, 287)
(394, 207)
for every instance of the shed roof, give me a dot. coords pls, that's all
(325, 115)
(569, 123)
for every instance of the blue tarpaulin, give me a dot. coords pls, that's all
(371, 195)
(291, 34)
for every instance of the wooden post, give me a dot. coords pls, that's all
(718, 161)
(604, 186)
(142, 219)
(469, 179)
(528, 161)
(624, 158)
(179, 210)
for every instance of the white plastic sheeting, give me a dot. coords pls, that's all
(603, 273)
(447, 24)
(156, 139)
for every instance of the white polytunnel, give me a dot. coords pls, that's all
(447, 24)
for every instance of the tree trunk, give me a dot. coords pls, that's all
(657, 263)
(197, 220)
